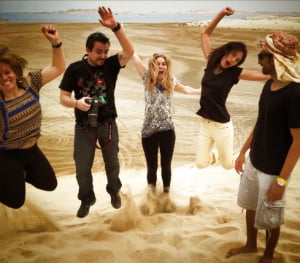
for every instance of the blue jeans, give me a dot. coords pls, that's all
(84, 152)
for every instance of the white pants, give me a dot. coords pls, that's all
(220, 134)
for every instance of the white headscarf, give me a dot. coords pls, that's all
(284, 47)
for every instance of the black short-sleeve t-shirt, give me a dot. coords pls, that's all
(279, 111)
(81, 78)
(214, 92)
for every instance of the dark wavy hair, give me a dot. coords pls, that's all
(96, 37)
(217, 54)
(15, 62)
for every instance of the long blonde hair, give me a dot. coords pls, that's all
(166, 82)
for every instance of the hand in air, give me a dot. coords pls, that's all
(50, 33)
(107, 17)
(228, 11)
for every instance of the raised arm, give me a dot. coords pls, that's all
(205, 34)
(138, 64)
(58, 64)
(187, 89)
(108, 20)
(247, 74)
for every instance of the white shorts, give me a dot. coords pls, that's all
(253, 188)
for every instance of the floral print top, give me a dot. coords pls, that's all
(157, 109)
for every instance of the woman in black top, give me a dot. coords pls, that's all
(221, 73)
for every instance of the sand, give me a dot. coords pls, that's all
(200, 221)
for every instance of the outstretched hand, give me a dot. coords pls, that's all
(107, 17)
(51, 34)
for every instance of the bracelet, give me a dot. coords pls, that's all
(76, 102)
(116, 28)
(281, 181)
(57, 45)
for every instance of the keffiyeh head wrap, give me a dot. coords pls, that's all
(284, 47)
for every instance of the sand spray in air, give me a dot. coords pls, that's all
(28, 218)
(157, 203)
(129, 215)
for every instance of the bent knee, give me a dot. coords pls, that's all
(227, 165)
(201, 165)
(51, 187)
(14, 204)
(47, 186)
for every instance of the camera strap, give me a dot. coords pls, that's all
(109, 135)
(86, 65)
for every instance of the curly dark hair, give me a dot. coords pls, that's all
(16, 62)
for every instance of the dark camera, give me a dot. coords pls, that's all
(97, 100)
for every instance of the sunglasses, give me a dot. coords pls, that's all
(263, 54)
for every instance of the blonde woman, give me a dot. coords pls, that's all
(158, 131)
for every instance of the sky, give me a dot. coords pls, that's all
(151, 6)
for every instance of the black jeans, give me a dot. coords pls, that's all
(84, 152)
(165, 141)
(23, 165)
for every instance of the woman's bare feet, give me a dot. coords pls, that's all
(240, 250)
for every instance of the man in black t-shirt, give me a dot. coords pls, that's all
(274, 144)
(93, 81)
